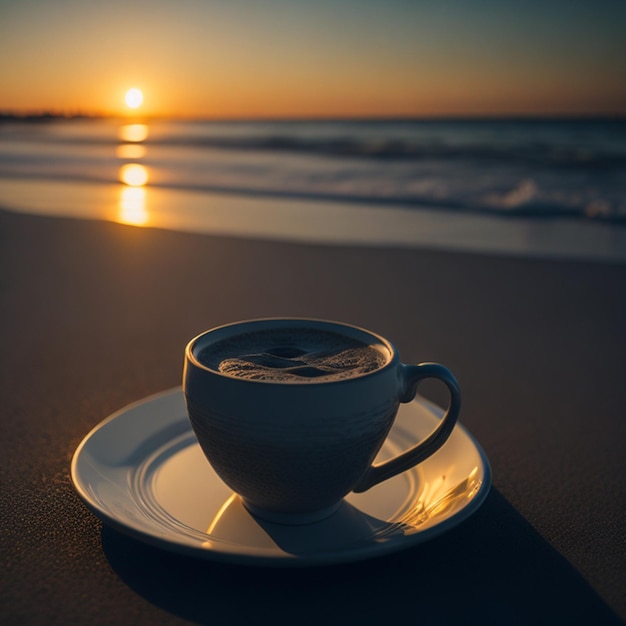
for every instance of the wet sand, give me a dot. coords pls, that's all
(96, 315)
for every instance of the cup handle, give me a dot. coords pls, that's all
(411, 375)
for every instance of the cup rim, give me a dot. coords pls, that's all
(192, 348)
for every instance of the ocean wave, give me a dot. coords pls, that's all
(582, 145)
(535, 208)
(538, 154)
(341, 148)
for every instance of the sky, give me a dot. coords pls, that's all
(323, 58)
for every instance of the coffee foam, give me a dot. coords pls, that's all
(294, 355)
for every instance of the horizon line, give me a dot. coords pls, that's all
(41, 115)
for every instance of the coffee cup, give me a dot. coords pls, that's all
(291, 412)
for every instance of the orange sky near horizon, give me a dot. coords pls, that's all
(304, 59)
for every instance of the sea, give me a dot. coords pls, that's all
(529, 187)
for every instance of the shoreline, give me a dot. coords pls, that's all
(311, 222)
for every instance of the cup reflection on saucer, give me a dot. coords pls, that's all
(345, 529)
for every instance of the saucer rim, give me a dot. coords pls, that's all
(240, 554)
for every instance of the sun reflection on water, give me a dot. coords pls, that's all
(134, 176)
(130, 151)
(132, 209)
(134, 133)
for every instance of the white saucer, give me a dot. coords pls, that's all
(142, 471)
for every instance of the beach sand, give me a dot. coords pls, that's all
(96, 315)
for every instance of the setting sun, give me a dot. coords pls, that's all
(134, 98)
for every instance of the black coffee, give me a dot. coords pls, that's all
(294, 355)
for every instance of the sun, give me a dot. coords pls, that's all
(134, 98)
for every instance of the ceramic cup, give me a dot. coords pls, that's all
(293, 448)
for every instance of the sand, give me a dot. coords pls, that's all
(96, 315)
